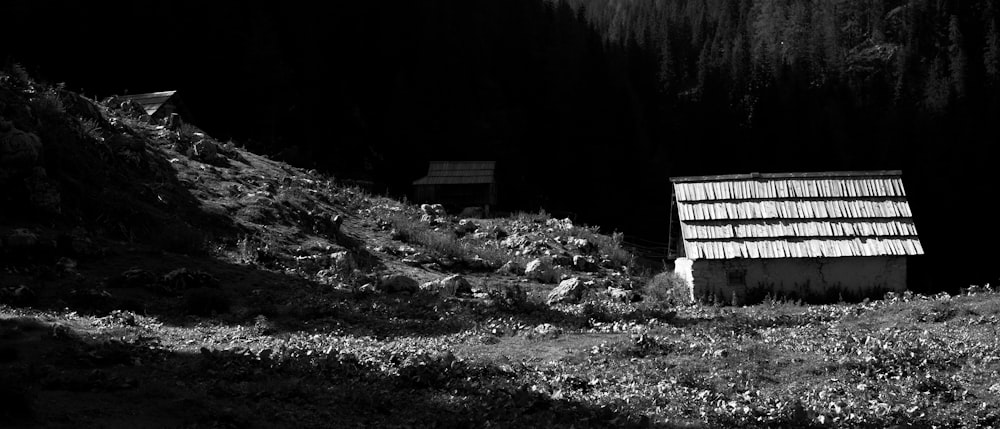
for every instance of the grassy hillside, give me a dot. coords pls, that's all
(156, 277)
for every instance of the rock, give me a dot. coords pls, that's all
(560, 224)
(508, 295)
(397, 283)
(584, 263)
(562, 260)
(184, 279)
(21, 239)
(206, 151)
(477, 263)
(512, 267)
(433, 210)
(18, 149)
(430, 220)
(476, 212)
(621, 295)
(515, 241)
(547, 330)
(465, 226)
(455, 285)
(18, 296)
(43, 195)
(583, 245)
(342, 262)
(569, 291)
(541, 270)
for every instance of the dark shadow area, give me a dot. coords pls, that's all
(54, 375)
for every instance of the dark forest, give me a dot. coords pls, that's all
(589, 106)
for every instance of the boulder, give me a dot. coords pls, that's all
(206, 151)
(541, 270)
(455, 285)
(397, 283)
(569, 291)
(512, 267)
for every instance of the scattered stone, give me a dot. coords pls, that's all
(560, 224)
(569, 291)
(547, 331)
(455, 285)
(398, 283)
(584, 263)
(622, 295)
(541, 270)
(434, 210)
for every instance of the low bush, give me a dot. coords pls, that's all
(668, 288)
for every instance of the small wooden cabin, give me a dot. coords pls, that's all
(459, 184)
(158, 105)
(811, 236)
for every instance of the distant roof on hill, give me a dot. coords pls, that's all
(459, 173)
(795, 215)
(150, 102)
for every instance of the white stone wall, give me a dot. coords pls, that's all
(809, 279)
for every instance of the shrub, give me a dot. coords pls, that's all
(446, 244)
(669, 288)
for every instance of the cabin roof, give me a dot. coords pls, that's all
(795, 215)
(150, 102)
(459, 173)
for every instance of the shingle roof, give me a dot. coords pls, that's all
(795, 215)
(458, 172)
(150, 102)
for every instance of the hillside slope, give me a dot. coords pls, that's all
(152, 277)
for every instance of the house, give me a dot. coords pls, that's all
(811, 236)
(159, 106)
(459, 184)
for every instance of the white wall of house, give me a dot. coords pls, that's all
(734, 280)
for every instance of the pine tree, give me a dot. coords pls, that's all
(991, 55)
(958, 60)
